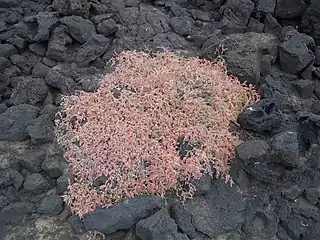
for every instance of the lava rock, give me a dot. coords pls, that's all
(4, 83)
(311, 20)
(236, 14)
(303, 207)
(49, 62)
(3, 108)
(313, 233)
(15, 120)
(4, 63)
(317, 56)
(271, 25)
(288, 9)
(35, 183)
(182, 25)
(79, 28)
(295, 52)
(292, 192)
(31, 91)
(107, 27)
(22, 62)
(129, 16)
(38, 48)
(6, 50)
(72, 7)
(313, 195)
(54, 164)
(32, 161)
(255, 26)
(11, 177)
(62, 184)
(57, 44)
(263, 116)
(55, 78)
(308, 133)
(263, 224)
(44, 226)
(159, 226)
(296, 225)
(95, 47)
(122, 216)
(76, 224)
(203, 185)
(41, 129)
(252, 149)
(265, 6)
(37, 28)
(50, 110)
(304, 87)
(243, 52)
(9, 3)
(15, 212)
(213, 214)
(286, 146)
(40, 70)
(51, 205)
(17, 41)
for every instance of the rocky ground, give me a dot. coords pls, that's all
(54, 47)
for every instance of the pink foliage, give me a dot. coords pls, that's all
(128, 129)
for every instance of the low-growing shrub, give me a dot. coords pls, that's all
(155, 124)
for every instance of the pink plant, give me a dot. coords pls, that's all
(127, 130)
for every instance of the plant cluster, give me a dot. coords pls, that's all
(156, 123)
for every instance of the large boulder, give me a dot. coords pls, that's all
(122, 216)
(15, 120)
(244, 53)
(311, 21)
(236, 14)
(220, 211)
(37, 28)
(295, 51)
(288, 9)
(79, 28)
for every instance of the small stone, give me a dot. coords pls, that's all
(107, 27)
(252, 149)
(54, 164)
(35, 183)
(76, 224)
(38, 48)
(3, 108)
(313, 195)
(6, 50)
(33, 160)
(51, 205)
(17, 41)
(286, 146)
(4, 63)
(40, 70)
(317, 56)
(159, 224)
(49, 62)
(62, 184)
(50, 110)
(255, 26)
(15, 212)
(303, 207)
(41, 130)
(291, 192)
(304, 87)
